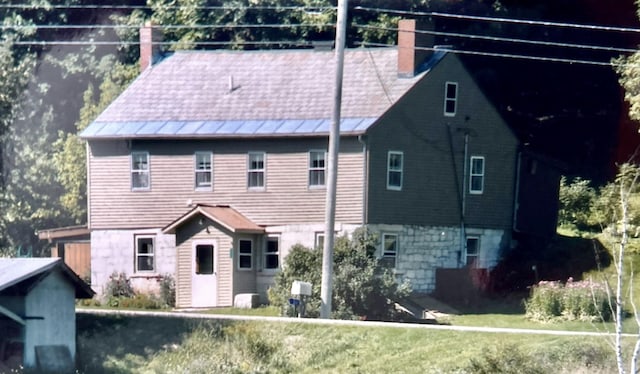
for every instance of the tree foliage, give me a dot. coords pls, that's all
(363, 288)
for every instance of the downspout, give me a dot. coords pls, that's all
(516, 198)
(365, 175)
(458, 187)
(463, 212)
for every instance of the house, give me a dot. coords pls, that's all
(212, 164)
(72, 245)
(37, 313)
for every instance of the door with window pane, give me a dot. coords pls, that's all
(204, 284)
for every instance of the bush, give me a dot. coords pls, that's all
(505, 360)
(576, 200)
(168, 290)
(362, 288)
(583, 301)
(118, 286)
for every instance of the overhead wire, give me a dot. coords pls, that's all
(323, 25)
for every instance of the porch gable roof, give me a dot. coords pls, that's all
(224, 215)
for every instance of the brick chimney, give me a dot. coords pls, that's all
(150, 39)
(410, 57)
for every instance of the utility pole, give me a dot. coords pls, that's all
(332, 167)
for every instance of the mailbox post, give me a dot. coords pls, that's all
(299, 290)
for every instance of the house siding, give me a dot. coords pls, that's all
(191, 232)
(285, 199)
(434, 147)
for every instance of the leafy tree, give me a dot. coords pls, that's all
(70, 154)
(363, 288)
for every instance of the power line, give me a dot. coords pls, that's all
(169, 27)
(179, 7)
(502, 20)
(503, 55)
(503, 39)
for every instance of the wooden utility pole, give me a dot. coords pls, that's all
(332, 167)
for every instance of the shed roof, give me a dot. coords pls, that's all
(15, 271)
(224, 215)
(254, 93)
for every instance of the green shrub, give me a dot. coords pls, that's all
(583, 301)
(168, 290)
(362, 288)
(140, 301)
(118, 286)
(576, 199)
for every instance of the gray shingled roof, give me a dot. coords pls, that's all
(253, 93)
(16, 270)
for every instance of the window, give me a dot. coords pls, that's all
(204, 259)
(389, 250)
(450, 98)
(144, 254)
(272, 254)
(316, 168)
(476, 177)
(472, 250)
(139, 170)
(203, 170)
(394, 170)
(245, 254)
(255, 170)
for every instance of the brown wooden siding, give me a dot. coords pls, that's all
(77, 255)
(433, 147)
(286, 199)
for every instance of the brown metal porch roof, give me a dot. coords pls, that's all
(224, 215)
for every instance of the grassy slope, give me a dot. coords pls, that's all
(144, 344)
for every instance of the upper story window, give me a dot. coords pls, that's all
(472, 250)
(255, 170)
(245, 254)
(316, 168)
(394, 170)
(145, 254)
(140, 178)
(272, 253)
(450, 98)
(476, 175)
(389, 249)
(203, 170)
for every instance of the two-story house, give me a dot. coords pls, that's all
(212, 164)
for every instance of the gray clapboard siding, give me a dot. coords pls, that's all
(434, 153)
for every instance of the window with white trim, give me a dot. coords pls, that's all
(144, 254)
(476, 175)
(140, 178)
(472, 250)
(394, 170)
(272, 253)
(203, 170)
(245, 254)
(316, 168)
(389, 250)
(255, 170)
(450, 98)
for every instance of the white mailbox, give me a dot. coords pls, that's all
(301, 288)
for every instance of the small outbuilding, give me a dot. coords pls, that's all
(37, 313)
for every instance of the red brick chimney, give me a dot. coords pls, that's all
(410, 57)
(150, 39)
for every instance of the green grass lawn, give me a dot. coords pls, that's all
(116, 344)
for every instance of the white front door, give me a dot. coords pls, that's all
(204, 281)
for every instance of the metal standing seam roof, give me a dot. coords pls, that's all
(210, 94)
(237, 128)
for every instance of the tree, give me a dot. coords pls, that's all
(70, 155)
(363, 287)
